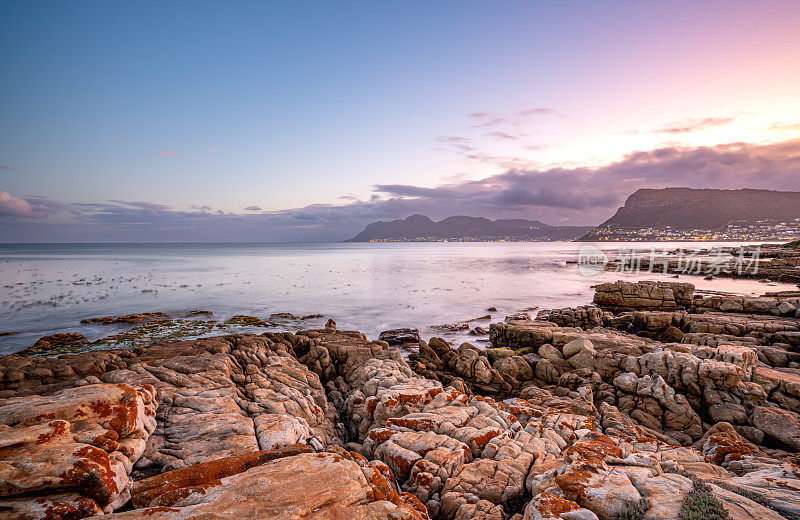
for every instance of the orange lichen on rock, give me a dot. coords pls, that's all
(574, 482)
(593, 449)
(166, 489)
(726, 449)
(550, 506)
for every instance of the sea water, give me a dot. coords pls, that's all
(370, 287)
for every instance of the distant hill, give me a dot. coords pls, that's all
(685, 209)
(421, 228)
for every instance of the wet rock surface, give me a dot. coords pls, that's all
(580, 417)
(399, 336)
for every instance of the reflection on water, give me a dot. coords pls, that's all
(47, 288)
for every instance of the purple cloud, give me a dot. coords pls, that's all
(486, 119)
(581, 195)
(540, 111)
(17, 207)
(502, 135)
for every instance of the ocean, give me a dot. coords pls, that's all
(370, 287)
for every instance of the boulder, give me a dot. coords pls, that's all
(627, 296)
(728, 412)
(549, 352)
(307, 486)
(400, 336)
(779, 424)
(665, 495)
(73, 450)
(576, 346)
(165, 488)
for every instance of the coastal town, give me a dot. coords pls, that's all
(758, 231)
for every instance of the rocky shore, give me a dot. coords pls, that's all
(769, 262)
(652, 403)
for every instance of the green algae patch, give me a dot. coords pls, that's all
(290, 316)
(143, 335)
(138, 317)
(59, 343)
(241, 320)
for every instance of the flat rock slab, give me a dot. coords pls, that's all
(307, 486)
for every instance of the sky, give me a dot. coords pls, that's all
(304, 121)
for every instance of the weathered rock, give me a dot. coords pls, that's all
(550, 353)
(166, 488)
(728, 412)
(79, 442)
(597, 440)
(665, 494)
(621, 296)
(740, 507)
(585, 317)
(779, 424)
(61, 506)
(576, 346)
(313, 485)
(547, 506)
(588, 481)
(400, 336)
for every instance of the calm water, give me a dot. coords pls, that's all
(46, 288)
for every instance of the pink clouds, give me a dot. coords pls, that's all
(11, 205)
(167, 153)
(686, 126)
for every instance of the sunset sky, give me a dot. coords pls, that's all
(239, 121)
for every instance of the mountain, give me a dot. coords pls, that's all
(725, 214)
(422, 229)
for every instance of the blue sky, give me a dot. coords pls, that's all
(157, 120)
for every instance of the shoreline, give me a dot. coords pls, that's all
(110, 332)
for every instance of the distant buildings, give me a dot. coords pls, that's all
(738, 231)
(467, 239)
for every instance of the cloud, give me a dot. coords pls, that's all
(784, 127)
(5, 168)
(457, 144)
(588, 195)
(143, 205)
(540, 111)
(565, 195)
(16, 207)
(252, 208)
(486, 119)
(502, 135)
(167, 153)
(686, 126)
(491, 119)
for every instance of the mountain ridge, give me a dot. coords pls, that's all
(460, 227)
(705, 209)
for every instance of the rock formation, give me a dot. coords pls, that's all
(587, 416)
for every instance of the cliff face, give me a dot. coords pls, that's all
(687, 208)
(421, 227)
